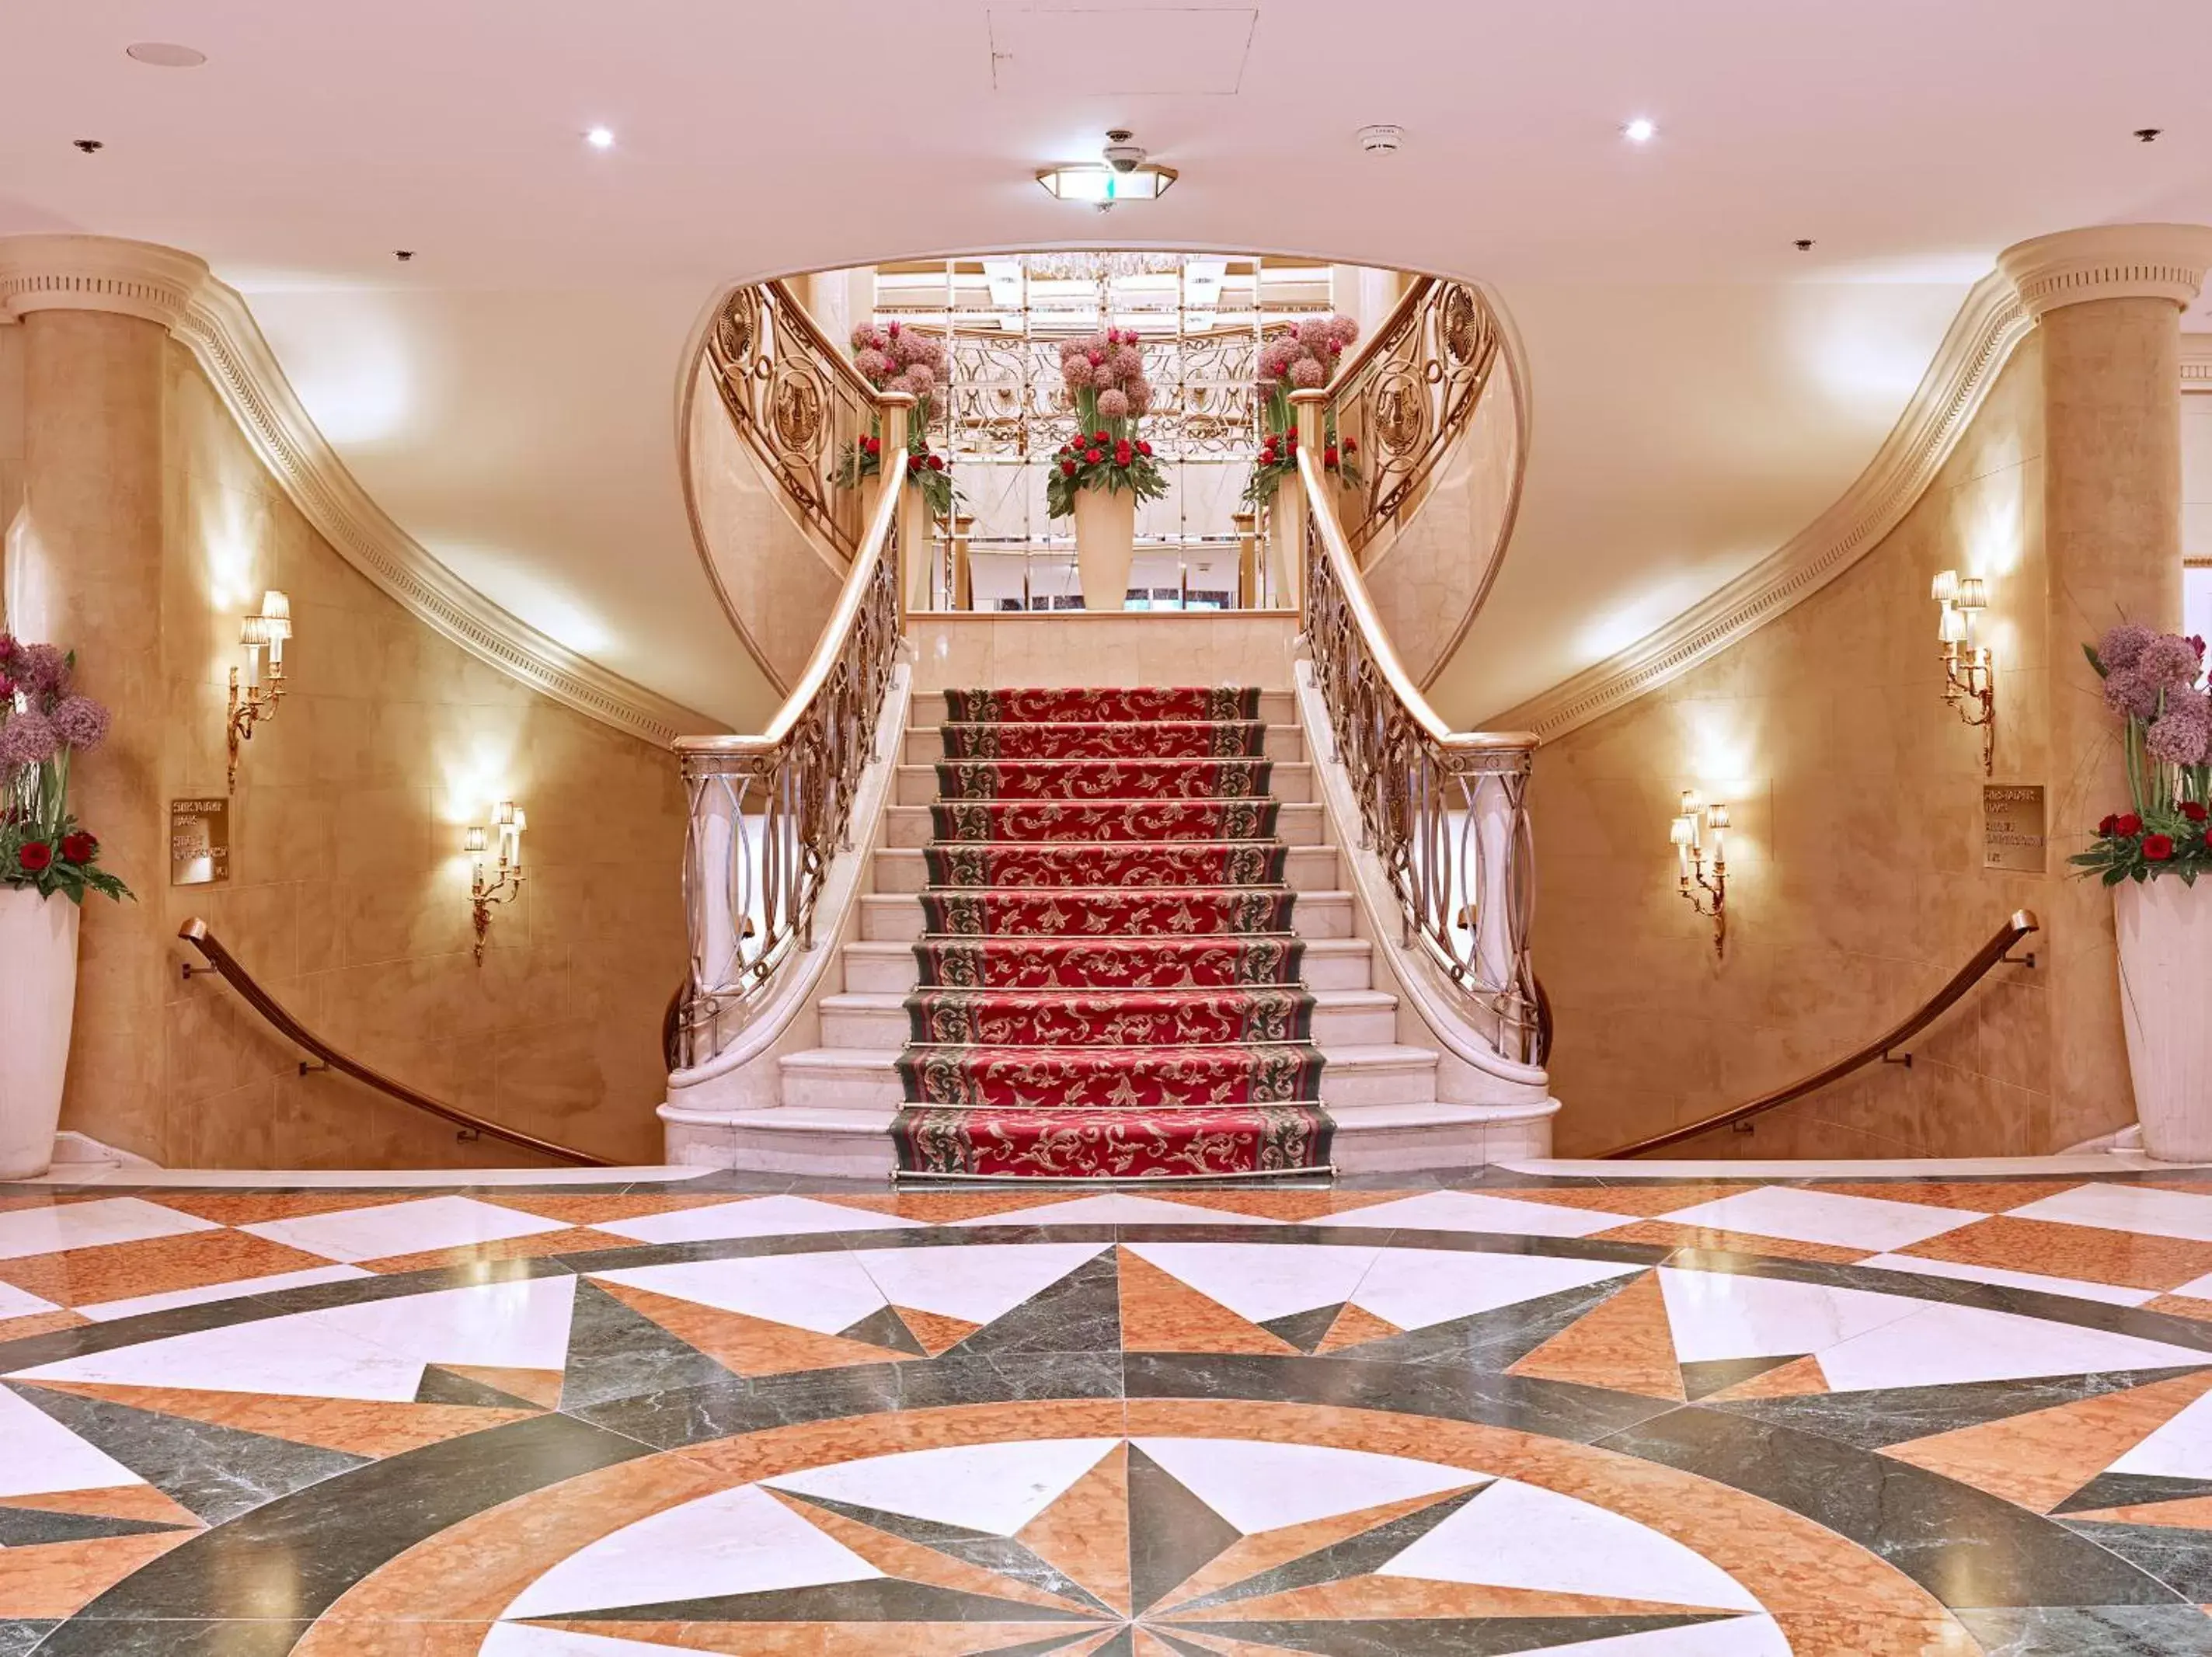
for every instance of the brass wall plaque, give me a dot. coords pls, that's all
(199, 842)
(2012, 827)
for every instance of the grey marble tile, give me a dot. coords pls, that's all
(876, 1599)
(179, 1637)
(2128, 1490)
(1448, 1636)
(1172, 1534)
(615, 1353)
(1000, 1554)
(25, 1527)
(2180, 1558)
(19, 1636)
(1081, 1313)
(1892, 1415)
(1488, 1341)
(1356, 1555)
(2092, 1631)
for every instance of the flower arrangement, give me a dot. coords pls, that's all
(1105, 378)
(2152, 681)
(42, 723)
(1303, 360)
(895, 358)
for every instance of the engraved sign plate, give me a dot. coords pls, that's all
(199, 842)
(2012, 827)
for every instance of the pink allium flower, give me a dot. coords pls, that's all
(863, 338)
(1128, 362)
(1141, 398)
(1343, 332)
(1314, 333)
(872, 365)
(2119, 647)
(80, 722)
(1307, 373)
(918, 379)
(2168, 659)
(2181, 735)
(1113, 404)
(27, 739)
(1275, 358)
(2128, 694)
(42, 670)
(1078, 371)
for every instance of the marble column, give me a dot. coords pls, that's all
(2108, 303)
(86, 573)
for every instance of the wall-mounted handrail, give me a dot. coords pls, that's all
(195, 932)
(1446, 811)
(1999, 947)
(770, 812)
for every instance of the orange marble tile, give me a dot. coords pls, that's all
(2181, 1306)
(251, 1208)
(1085, 1531)
(1146, 1644)
(1668, 1234)
(1228, 1647)
(1162, 1313)
(1265, 1549)
(1795, 1379)
(1624, 1342)
(59, 1579)
(1845, 1634)
(1648, 1200)
(840, 1639)
(356, 1426)
(749, 1457)
(594, 1208)
(44, 1323)
(1356, 1328)
(540, 1386)
(2192, 1513)
(111, 1502)
(576, 1240)
(935, 1331)
(749, 1346)
(948, 1207)
(1308, 1206)
(912, 1562)
(2040, 1459)
(2089, 1254)
(351, 1637)
(1393, 1597)
(1979, 1196)
(158, 1265)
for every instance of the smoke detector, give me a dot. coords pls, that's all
(1382, 139)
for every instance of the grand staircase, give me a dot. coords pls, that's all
(839, 1101)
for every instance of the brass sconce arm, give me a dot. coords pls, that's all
(1969, 670)
(504, 883)
(255, 697)
(1703, 883)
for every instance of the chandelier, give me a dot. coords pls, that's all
(1096, 266)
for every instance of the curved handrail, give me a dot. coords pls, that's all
(195, 932)
(2022, 923)
(769, 812)
(1444, 811)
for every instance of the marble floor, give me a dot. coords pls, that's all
(1726, 1415)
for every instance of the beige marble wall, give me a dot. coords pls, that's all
(11, 425)
(347, 888)
(1855, 884)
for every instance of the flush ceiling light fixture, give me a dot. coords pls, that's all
(1122, 175)
(1640, 130)
(600, 137)
(165, 54)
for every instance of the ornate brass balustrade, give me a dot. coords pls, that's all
(1407, 395)
(1445, 811)
(796, 401)
(769, 813)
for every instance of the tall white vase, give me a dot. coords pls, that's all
(1105, 545)
(38, 999)
(2165, 962)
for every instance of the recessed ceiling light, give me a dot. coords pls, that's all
(164, 54)
(600, 137)
(1639, 132)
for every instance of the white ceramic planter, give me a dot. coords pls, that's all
(2165, 960)
(38, 999)
(1105, 545)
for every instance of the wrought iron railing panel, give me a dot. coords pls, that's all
(1408, 396)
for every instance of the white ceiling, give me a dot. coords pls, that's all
(1702, 390)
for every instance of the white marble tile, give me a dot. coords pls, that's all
(528, 1639)
(2127, 1208)
(407, 1228)
(43, 1457)
(351, 1179)
(1825, 1216)
(978, 1283)
(1470, 1211)
(108, 1311)
(22, 1303)
(1118, 1208)
(91, 1225)
(1258, 1486)
(1944, 1345)
(752, 1217)
(2196, 1289)
(522, 1325)
(1723, 1314)
(1258, 1281)
(2112, 1294)
(824, 1292)
(735, 1541)
(1416, 1287)
(299, 1356)
(996, 1487)
(1872, 1167)
(2182, 1449)
(1739, 1636)
(1520, 1536)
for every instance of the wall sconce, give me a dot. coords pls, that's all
(506, 884)
(263, 636)
(1969, 675)
(1704, 882)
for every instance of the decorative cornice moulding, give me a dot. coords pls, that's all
(160, 284)
(2110, 261)
(2196, 363)
(1979, 342)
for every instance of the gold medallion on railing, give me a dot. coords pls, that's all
(1461, 325)
(796, 406)
(733, 329)
(1401, 411)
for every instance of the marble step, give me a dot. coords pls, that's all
(1276, 706)
(1289, 780)
(1309, 869)
(1341, 1018)
(896, 917)
(925, 746)
(910, 825)
(856, 1077)
(889, 968)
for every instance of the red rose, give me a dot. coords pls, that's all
(1328, 455)
(1123, 454)
(2127, 823)
(1291, 437)
(2193, 811)
(1102, 437)
(79, 847)
(35, 855)
(872, 445)
(1351, 446)
(1068, 467)
(937, 463)
(2157, 847)
(2109, 824)
(1094, 456)
(1143, 447)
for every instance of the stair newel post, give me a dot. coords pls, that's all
(911, 513)
(1306, 409)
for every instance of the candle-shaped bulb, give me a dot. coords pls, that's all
(1952, 628)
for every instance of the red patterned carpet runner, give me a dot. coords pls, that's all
(1111, 987)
